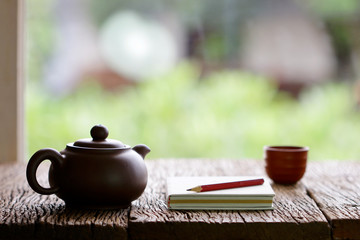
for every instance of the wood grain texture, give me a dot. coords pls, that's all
(335, 186)
(25, 214)
(11, 80)
(329, 192)
(296, 215)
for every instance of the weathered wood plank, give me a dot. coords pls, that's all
(296, 215)
(335, 187)
(25, 214)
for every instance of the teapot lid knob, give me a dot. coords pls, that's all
(99, 132)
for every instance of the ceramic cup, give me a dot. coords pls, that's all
(285, 164)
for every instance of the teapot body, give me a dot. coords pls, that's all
(95, 173)
(94, 179)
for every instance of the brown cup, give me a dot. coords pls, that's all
(285, 164)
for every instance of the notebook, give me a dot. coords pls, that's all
(258, 197)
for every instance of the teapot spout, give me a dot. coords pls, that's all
(142, 150)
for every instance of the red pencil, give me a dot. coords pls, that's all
(227, 185)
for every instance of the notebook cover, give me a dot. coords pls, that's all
(245, 198)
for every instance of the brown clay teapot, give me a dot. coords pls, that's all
(95, 173)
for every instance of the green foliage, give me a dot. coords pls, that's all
(226, 115)
(40, 36)
(330, 8)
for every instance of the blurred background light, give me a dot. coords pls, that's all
(137, 47)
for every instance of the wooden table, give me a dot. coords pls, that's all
(324, 205)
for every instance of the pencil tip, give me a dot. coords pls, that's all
(194, 189)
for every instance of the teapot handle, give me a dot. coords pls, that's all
(56, 160)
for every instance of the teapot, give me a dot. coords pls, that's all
(95, 173)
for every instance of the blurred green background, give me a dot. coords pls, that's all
(228, 113)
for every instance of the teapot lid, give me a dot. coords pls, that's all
(99, 133)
